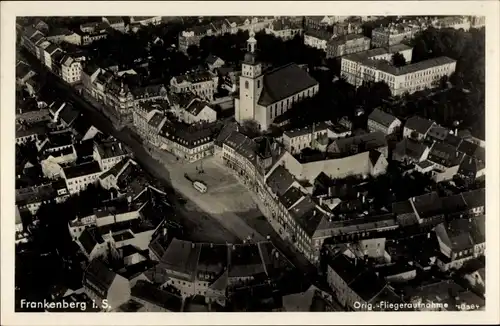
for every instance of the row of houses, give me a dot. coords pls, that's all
(192, 36)
(360, 284)
(182, 273)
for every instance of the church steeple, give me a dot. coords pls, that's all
(250, 56)
(251, 42)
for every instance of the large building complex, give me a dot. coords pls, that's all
(374, 66)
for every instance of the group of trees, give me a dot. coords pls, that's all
(466, 102)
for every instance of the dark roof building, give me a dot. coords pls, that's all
(99, 277)
(381, 117)
(280, 180)
(148, 292)
(89, 239)
(445, 154)
(82, 170)
(419, 124)
(284, 82)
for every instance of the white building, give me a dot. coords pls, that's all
(455, 22)
(284, 29)
(71, 69)
(194, 110)
(296, 140)
(317, 39)
(392, 34)
(374, 66)
(203, 84)
(145, 20)
(116, 22)
(108, 153)
(78, 177)
(190, 144)
(103, 285)
(266, 96)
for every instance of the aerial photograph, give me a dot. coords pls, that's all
(250, 163)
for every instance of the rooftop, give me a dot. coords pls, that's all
(190, 137)
(321, 126)
(445, 154)
(89, 238)
(148, 292)
(284, 82)
(82, 170)
(109, 149)
(382, 117)
(280, 180)
(427, 205)
(99, 275)
(419, 124)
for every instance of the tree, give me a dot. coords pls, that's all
(398, 60)
(193, 51)
(250, 128)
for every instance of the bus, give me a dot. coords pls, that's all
(200, 186)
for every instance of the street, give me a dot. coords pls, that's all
(199, 228)
(223, 226)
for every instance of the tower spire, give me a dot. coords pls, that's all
(251, 42)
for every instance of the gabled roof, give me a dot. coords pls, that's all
(211, 59)
(467, 147)
(410, 148)
(99, 275)
(438, 132)
(306, 214)
(470, 166)
(90, 238)
(284, 82)
(445, 154)
(461, 234)
(69, 114)
(182, 257)
(384, 118)
(474, 198)
(280, 180)
(362, 280)
(196, 106)
(427, 205)
(419, 124)
(290, 197)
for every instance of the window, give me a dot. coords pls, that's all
(258, 83)
(246, 84)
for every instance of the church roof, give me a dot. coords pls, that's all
(284, 82)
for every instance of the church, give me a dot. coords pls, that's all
(264, 96)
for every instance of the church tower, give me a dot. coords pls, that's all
(250, 84)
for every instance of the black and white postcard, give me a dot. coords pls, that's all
(299, 158)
